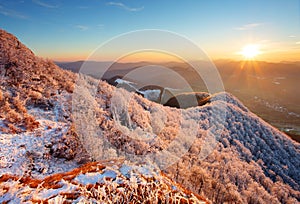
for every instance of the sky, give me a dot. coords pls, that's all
(65, 30)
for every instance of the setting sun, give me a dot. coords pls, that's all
(250, 51)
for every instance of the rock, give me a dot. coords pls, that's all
(187, 100)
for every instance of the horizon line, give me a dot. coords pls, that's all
(168, 61)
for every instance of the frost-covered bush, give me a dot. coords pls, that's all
(230, 158)
(1, 96)
(223, 152)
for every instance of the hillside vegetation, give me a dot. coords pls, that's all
(53, 121)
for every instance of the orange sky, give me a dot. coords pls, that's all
(276, 56)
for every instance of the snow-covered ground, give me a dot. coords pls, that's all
(113, 182)
(29, 153)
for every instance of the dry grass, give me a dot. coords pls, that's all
(154, 189)
(15, 115)
(1, 96)
(26, 81)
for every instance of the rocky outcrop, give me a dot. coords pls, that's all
(188, 100)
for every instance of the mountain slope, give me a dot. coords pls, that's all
(40, 152)
(250, 161)
(27, 80)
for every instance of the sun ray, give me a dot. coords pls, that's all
(250, 51)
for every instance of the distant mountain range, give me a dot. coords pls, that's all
(54, 123)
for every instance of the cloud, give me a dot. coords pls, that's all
(123, 6)
(298, 43)
(11, 13)
(249, 26)
(292, 36)
(82, 27)
(43, 4)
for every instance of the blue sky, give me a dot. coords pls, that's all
(71, 30)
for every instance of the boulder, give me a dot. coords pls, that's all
(187, 100)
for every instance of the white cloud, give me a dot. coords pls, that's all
(249, 26)
(11, 13)
(82, 27)
(43, 4)
(292, 36)
(123, 6)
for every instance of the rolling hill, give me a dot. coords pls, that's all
(54, 125)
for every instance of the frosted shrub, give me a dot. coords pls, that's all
(19, 104)
(1, 96)
(35, 95)
(30, 122)
(13, 116)
(225, 172)
(69, 86)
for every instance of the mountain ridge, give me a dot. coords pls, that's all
(252, 161)
(267, 89)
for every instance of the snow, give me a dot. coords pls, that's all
(125, 169)
(122, 81)
(117, 182)
(173, 130)
(146, 171)
(20, 151)
(93, 178)
(152, 95)
(1, 122)
(18, 194)
(49, 193)
(7, 197)
(157, 127)
(128, 83)
(156, 95)
(26, 152)
(35, 162)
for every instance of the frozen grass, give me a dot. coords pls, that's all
(251, 161)
(95, 182)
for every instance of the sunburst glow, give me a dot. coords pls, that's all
(250, 51)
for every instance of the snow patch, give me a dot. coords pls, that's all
(93, 178)
(152, 95)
